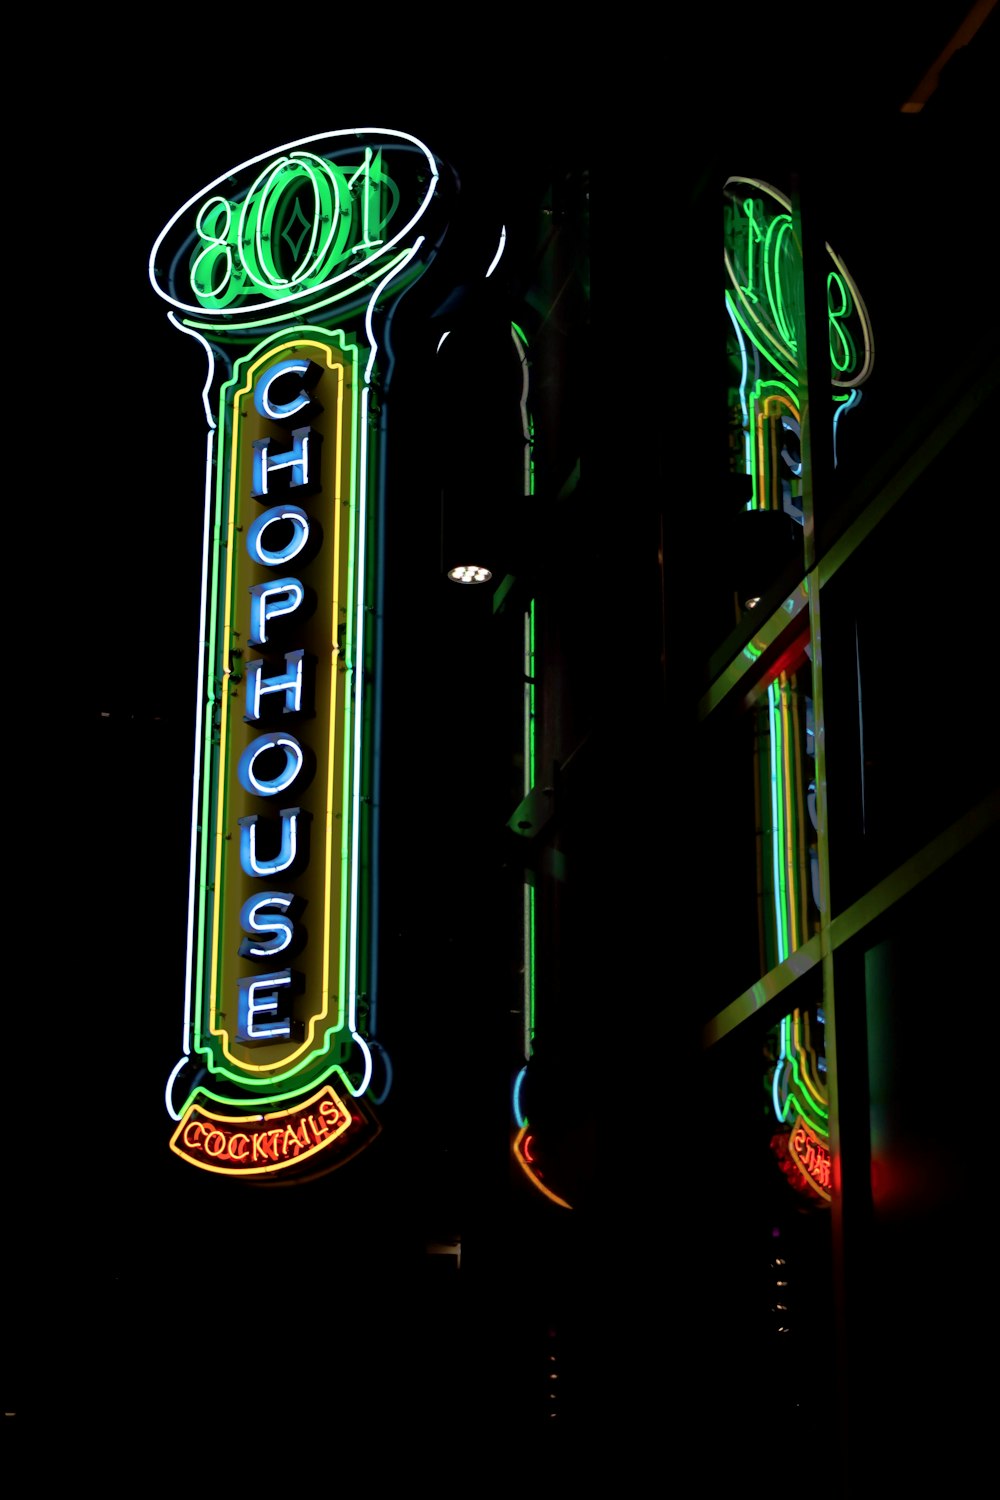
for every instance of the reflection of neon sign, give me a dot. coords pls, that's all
(790, 913)
(804, 1157)
(526, 1156)
(764, 265)
(525, 1148)
(797, 1088)
(764, 300)
(812, 1156)
(279, 1044)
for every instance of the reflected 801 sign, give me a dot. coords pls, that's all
(286, 271)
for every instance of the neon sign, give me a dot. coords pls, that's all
(764, 300)
(287, 271)
(253, 1147)
(764, 266)
(804, 1157)
(308, 228)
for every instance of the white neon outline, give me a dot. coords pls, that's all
(496, 259)
(352, 981)
(175, 1070)
(355, 347)
(744, 409)
(323, 306)
(193, 333)
(379, 289)
(351, 271)
(359, 629)
(779, 1073)
(441, 340)
(196, 773)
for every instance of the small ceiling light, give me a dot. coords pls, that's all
(469, 573)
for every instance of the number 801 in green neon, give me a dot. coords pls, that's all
(302, 218)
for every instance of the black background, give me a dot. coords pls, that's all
(141, 1271)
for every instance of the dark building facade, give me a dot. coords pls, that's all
(688, 821)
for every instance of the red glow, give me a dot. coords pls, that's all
(266, 1143)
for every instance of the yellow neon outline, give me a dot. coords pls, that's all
(807, 1060)
(519, 1158)
(787, 770)
(337, 366)
(761, 402)
(326, 1092)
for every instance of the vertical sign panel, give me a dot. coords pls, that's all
(286, 270)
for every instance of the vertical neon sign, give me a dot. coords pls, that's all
(764, 302)
(286, 270)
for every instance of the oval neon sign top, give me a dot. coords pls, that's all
(314, 218)
(763, 262)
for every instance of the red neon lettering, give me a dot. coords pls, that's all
(296, 1137)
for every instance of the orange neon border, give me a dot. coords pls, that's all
(522, 1162)
(326, 1092)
